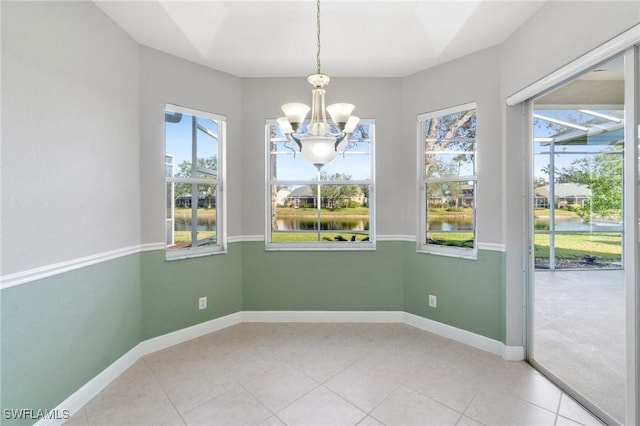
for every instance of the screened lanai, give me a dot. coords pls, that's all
(578, 169)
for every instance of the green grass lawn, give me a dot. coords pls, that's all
(458, 239)
(606, 246)
(453, 212)
(183, 238)
(312, 236)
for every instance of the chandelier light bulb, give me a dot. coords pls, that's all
(318, 150)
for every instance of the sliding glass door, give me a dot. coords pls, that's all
(583, 286)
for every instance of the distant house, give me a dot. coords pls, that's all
(565, 194)
(464, 199)
(304, 196)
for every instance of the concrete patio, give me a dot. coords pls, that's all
(580, 333)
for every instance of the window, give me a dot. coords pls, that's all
(447, 141)
(329, 208)
(194, 178)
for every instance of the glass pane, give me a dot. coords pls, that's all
(578, 131)
(584, 149)
(287, 163)
(355, 162)
(450, 214)
(185, 133)
(447, 165)
(450, 144)
(207, 148)
(342, 216)
(202, 230)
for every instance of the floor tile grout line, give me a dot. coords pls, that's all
(259, 401)
(153, 374)
(347, 401)
(275, 413)
(464, 412)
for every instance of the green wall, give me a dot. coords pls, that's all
(323, 280)
(60, 332)
(392, 278)
(170, 290)
(470, 292)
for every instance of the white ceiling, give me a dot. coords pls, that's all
(392, 38)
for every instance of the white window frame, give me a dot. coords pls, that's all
(423, 181)
(321, 245)
(221, 202)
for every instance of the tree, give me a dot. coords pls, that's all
(601, 173)
(605, 183)
(539, 182)
(578, 172)
(207, 167)
(333, 194)
(453, 131)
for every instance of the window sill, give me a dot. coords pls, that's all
(180, 254)
(467, 254)
(342, 246)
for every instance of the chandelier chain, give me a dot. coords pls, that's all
(318, 26)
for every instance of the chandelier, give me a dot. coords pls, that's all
(319, 142)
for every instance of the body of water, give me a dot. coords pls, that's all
(451, 224)
(577, 225)
(331, 224)
(183, 223)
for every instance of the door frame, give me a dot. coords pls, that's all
(627, 44)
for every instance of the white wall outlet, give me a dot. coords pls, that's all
(433, 301)
(202, 303)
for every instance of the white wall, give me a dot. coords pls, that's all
(168, 79)
(69, 134)
(474, 78)
(560, 32)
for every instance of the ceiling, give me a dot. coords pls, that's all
(392, 38)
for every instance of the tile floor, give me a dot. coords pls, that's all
(328, 374)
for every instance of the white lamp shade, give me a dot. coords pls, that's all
(295, 112)
(340, 112)
(351, 124)
(318, 150)
(285, 126)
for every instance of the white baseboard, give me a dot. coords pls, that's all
(459, 335)
(513, 353)
(322, 316)
(176, 337)
(87, 392)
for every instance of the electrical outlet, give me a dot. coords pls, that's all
(202, 303)
(433, 301)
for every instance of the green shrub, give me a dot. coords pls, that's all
(541, 225)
